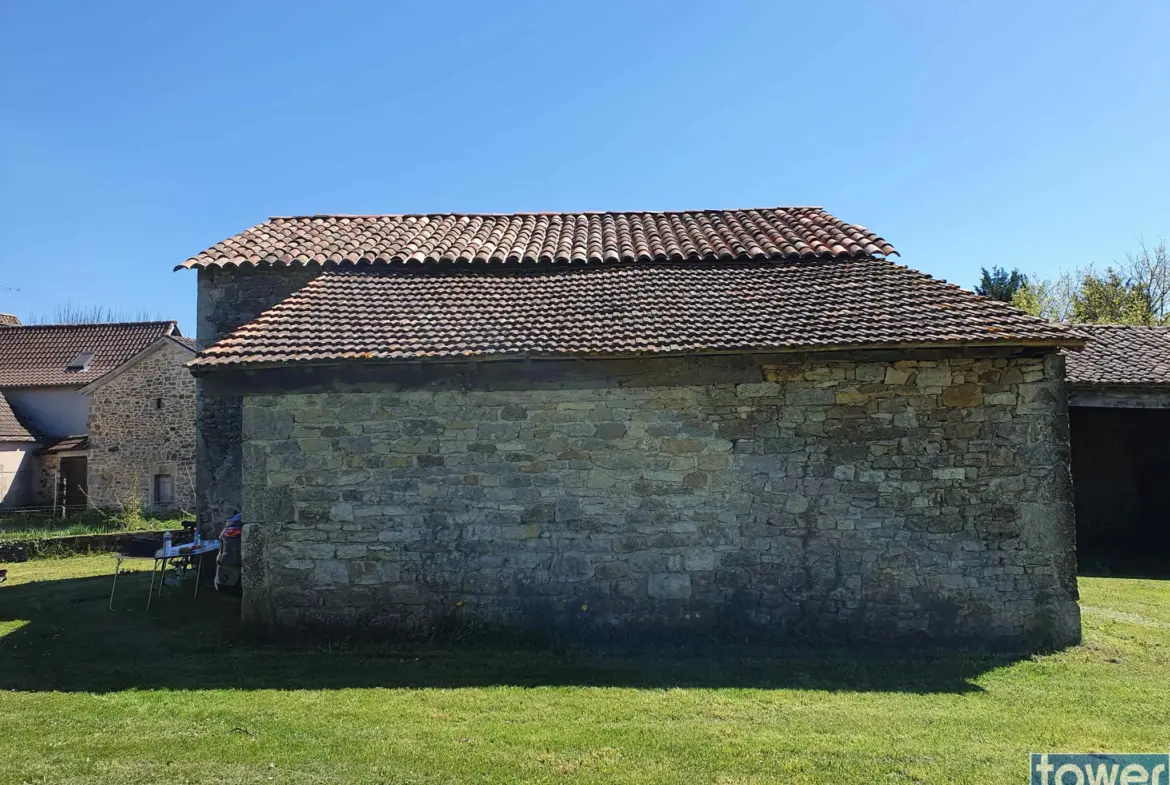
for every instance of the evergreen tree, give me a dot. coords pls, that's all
(999, 284)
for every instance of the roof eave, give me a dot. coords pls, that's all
(199, 368)
(1127, 385)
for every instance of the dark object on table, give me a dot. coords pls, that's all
(143, 546)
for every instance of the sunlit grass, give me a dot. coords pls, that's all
(25, 528)
(177, 695)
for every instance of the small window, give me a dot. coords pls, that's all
(164, 489)
(158, 404)
(80, 362)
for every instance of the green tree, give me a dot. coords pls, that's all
(1149, 269)
(1048, 299)
(999, 284)
(1111, 299)
(1133, 291)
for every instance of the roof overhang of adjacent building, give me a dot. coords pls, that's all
(40, 355)
(1121, 356)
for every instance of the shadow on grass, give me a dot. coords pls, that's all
(71, 642)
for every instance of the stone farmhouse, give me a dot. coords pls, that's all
(96, 415)
(748, 421)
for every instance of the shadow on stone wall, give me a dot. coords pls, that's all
(67, 640)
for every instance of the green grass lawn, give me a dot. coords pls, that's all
(177, 694)
(22, 527)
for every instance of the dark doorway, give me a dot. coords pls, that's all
(1121, 475)
(74, 483)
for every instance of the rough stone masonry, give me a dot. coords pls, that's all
(229, 298)
(141, 424)
(888, 501)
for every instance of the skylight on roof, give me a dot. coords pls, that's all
(80, 362)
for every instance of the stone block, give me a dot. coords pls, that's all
(933, 377)
(513, 412)
(609, 430)
(896, 377)
(699, 559)
(610, 569)
(851, 399)
(330, 573)
(372, 572)
(498, 431)
(263, 424)
(669, 586)
(962, 395)
(676, 446)
(759, 390)
(568, 509)
(796, 504)
(600, 478)
(846, 472)
(320, 551)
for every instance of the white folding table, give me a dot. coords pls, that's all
(159, 565)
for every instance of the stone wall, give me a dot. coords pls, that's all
(44, 490)
(141, 424)
(228, 298)
(886, 501)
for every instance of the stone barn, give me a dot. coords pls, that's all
(746, 421)
(1119, 410)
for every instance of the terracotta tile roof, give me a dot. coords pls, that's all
(547, 238)
(388, 313)
(11, 427)
(37, 355)
(1121, 355)
(69, 444)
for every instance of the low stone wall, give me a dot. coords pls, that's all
(885, 501)
(22, 550)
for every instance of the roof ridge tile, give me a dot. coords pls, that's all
(544, 238)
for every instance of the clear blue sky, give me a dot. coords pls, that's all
(133, 135)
